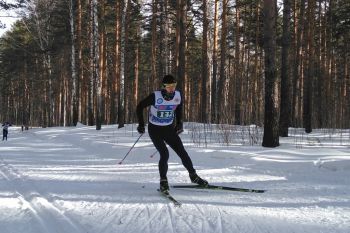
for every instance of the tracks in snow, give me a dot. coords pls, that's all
(49, 216)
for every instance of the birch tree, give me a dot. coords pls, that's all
(40, 12)
(94, 59)
(74, 80)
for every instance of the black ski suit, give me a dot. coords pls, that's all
(165, 134)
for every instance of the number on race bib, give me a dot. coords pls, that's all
(164, 114)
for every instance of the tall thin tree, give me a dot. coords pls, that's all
(118, 60)
(214, 103)
(286, 84)
(205, 63)
(310, 70)
(222, 75)
(181, 43)
(74, 80)
(237, 68)
(271, 116)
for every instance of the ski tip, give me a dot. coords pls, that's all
(167, 194)
(257, 190)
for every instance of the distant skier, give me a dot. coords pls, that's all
(166, 105)
(5, 127)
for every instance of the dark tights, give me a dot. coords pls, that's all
(166, 134)
(4, 134)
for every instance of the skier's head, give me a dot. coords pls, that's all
(168, 87)
(169, 83)
(169, 80)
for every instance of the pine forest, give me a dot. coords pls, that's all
(271, 63)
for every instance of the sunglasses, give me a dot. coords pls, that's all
(169, 85)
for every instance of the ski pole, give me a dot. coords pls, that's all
(152, 155)
(131, 148)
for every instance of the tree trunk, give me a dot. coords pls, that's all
(271, 136)
(92, 79)
(80, 87)
(136, 72)
(222, 75)
(214, 101)
(118, 61)
(286, 85)
(297, 77)
(74, 106)
(308, 85)
(237, 71)
(180, 50)
(102, 35)
(164, 66)
(205, 64)
(181, 44)
(128, 63)
(154, 43)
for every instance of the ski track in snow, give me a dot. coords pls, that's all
(88, 192)
(45, 212)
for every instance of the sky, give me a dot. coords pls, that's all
(8, 21)
(69, 180)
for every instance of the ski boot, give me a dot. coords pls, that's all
(164, 186)
(197, 180)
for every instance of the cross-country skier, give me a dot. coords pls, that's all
(166, 106)
(5, 127)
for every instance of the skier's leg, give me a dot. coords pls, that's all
(176, 144)
(158, 142)
(174, 141)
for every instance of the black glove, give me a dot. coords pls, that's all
(141, 129)
(179, 128)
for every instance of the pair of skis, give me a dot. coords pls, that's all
(209, 187)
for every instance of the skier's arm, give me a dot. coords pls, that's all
(149, 100)
(178, 115)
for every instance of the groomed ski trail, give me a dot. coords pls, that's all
(98, 196)
(46, 213)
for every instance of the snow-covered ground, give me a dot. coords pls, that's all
(68, 180)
